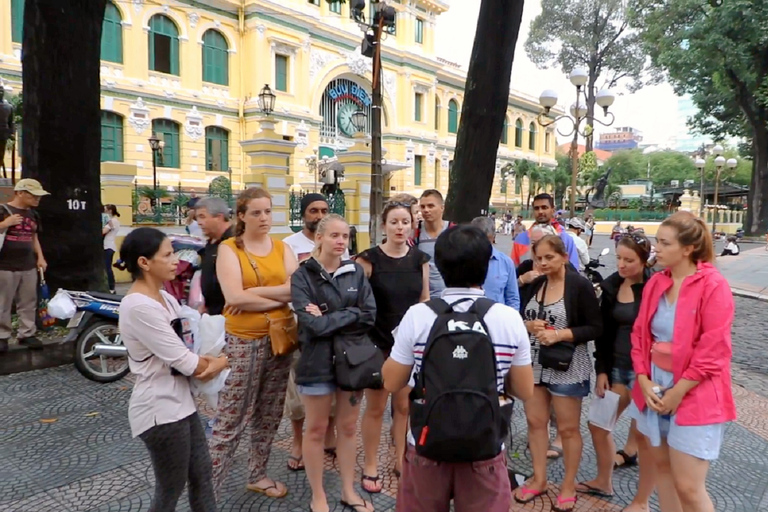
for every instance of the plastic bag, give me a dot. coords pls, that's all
(196, 291)
(194, 320)
(62, 306)
(603, 412)
(210, 341)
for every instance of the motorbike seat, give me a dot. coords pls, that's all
(106, 296)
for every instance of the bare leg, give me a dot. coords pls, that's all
(647, 480)
(665, 484)
(317, 410)
(568, 410)
(373, 417)
(400, 426)
(537, 416)
(347, 413)
(296, 447)
(690, 474)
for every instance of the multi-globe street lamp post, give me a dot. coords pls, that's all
(604, 98)
(720, 164)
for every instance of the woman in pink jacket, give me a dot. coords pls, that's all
(681, 353)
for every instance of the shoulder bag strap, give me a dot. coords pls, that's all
(540, 315)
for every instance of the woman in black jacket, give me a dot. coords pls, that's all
(620, 303)
(331, 298)
(562, 315)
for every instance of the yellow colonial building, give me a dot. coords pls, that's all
(191, 71)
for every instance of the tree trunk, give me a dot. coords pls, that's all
(62, 134)
(486, 97)
(757, 206)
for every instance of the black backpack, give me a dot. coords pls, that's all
(455, 411)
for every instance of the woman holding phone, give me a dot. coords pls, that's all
(681, 354)
(561, 315)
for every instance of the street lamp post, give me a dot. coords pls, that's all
(720, 163)
(700, 163)
(156, 145)
(383, 22)
(266, 100)
(578, 113)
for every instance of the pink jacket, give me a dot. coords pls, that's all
(701, 348)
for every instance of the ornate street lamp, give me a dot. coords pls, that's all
(720, 163)
(360, 120)
(156, 145)
(266, 100)
(579, 77)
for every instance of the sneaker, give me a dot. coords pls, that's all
(3, 346)
(31, 342)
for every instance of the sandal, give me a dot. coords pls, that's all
(299, 466)
(355, 506)
(375, 480)
(330, 451)
(265, 490)
(525, 490)
(593, 491)
(564, 501)
(558, 452)
(629, 460)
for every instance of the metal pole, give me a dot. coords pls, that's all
(376, 204)
(714, 205)
(574, 168)
(154, 178)
(13, 164)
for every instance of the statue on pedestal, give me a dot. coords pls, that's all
(7, 128)
(598, 191)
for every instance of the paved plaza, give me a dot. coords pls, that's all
(65, 444)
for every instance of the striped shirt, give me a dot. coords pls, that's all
(505, 327)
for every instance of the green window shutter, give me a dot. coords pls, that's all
(532, 138)
(168, 131)
(112, 35)
(175, 56)
(216, 149)
(163, 37)
(281, 73)
(417, 170)
(437, 115)
(519, 133)
(215, 58)
(17, 20)
(111, 137)
(335, 6)
(453, 117)
(504, 132)
(419, 31)
(417, 106)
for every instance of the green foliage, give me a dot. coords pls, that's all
(221, 187)
(589, 172)
(151, 193)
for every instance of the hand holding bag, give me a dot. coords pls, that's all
(558, 356)
(283, 329)
(357, 362)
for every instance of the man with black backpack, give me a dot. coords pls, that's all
(460, 354)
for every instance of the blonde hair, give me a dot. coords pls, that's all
(322, 226)
(692, 230)
(245, 197)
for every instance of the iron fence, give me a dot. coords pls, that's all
(336, 204)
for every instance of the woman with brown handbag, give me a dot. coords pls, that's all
(254, 272)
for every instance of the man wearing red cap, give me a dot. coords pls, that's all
(20, 257)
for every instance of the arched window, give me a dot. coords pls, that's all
(216, 149)
(112, 35)
(437, 114)
(532, 138)
(168, 131)
(163, 45)
(111, 136)
(453, 116)
(215, 58)
(17, 20)
(519, 133)
(505, 131)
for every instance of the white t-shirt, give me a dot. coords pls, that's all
(195, 230)
(110, 239)
(302, 246)
(505, 327)
(581, 249)
(731, 246)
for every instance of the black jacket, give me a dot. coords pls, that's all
(582, 309)
(348, 307)
(605, 343)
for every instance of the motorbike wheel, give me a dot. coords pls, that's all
(100, 368)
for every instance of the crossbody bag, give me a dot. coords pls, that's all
(558, 356)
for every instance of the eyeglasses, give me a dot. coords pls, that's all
(392, 205)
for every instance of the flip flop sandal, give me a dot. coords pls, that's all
(557, 450)
(564, 501)
(355, 506)
(330, 451)
(265, 490)
(525, 490)
(375, 480)
(298, 460)
(629, 460)
(593, 491)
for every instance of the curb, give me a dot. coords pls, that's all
(749, 295)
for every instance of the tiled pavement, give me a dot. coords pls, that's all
(65, 446)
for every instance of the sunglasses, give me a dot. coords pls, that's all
(639, 239)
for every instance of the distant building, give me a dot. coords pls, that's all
(624, 137)
(685, 140)
(602, 156)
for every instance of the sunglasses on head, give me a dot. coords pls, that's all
(639, 239)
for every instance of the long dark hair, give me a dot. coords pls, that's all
(141, 242)
(112, 210)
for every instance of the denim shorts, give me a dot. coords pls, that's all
(317, 389)
(578, 390)
(623, 377)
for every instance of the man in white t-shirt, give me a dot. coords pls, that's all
(575, 228)
(462, 255)
(313, 208)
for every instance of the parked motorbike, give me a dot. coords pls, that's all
(590, 270)
(94, 326)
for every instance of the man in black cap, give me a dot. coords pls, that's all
(313, 208)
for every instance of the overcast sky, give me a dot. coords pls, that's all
(653, 110)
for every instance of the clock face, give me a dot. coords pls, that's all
(344, 118)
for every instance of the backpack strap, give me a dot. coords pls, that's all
(481, 307)
(439, 306)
